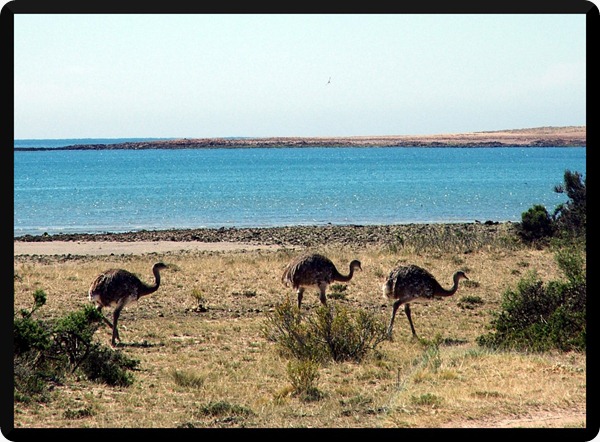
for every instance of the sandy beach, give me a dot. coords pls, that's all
(96, 248)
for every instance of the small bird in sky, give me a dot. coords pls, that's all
(329, 81)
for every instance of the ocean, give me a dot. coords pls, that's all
(130, 190)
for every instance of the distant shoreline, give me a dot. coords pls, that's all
(568, 136)
(290, 236)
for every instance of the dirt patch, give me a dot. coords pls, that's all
(547, 419)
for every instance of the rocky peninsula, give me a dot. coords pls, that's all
(568, 136)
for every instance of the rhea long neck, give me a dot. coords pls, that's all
(344, 278)
(152, 288)
(441, 291)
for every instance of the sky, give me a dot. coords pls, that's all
(263, 75)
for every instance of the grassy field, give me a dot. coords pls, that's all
(205, 363)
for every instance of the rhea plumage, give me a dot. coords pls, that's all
(315, 270)
(406, 284)
(118, 288)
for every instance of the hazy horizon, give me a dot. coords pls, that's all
(295, 75)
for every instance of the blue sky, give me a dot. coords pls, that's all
(260, 75)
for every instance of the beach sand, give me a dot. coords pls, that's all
(96, 248)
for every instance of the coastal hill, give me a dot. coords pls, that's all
(533, 137)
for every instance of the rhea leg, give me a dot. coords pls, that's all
(104, 318)
(412, 327)
(115, 335)
(394, 309)
(322, 296)
(300, 293)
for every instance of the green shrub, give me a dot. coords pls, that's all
(46, 351)
(346, 335)
(329, 332)
(536, 224)
(568, 220)
(224, 408)
(538, 316)
(103, 364)
(571, 216)
(30, 334)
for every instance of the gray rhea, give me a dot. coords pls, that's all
(315, 270)
(118, 288)
(406, 284)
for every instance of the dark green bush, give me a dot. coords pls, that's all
(31, 334)
(103, 364)
(571, 216)
(47, 351)
(329, 332)
(538, 316)
(568, 220)
(536, 224)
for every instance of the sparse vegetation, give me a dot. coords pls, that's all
(187, 378)
(426, 400)
(337, 291)
(470, 302)
(303, 375)
(200, 301)
(216, 369)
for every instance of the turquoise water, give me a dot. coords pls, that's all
(128, 190)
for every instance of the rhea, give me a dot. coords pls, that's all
(406, 284)
(312, 270)
(118, 288)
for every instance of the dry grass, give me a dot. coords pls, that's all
(211, 366)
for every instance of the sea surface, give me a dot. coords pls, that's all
(129, 190)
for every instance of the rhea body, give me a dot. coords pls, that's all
(315, 270)
(406, 284)
(118, 288)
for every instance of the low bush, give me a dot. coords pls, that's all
(536, 223)
(328, 333)
(568, 220)
(538, 317)
(46, 351)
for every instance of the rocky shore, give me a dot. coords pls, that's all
(303, 236)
